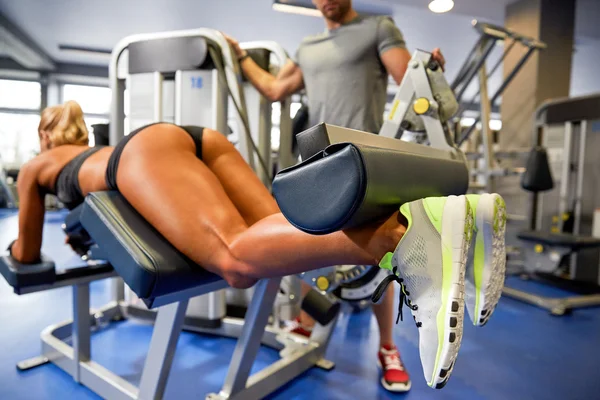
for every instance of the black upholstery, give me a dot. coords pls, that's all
(348, 184)
(20, 275)
(574, 242)
(146, 261)
(537, 176)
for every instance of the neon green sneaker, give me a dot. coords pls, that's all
(486, 264)
(429, 263)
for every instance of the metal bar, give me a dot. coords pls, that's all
(580, 175)
(462, 72)
(494, 68)
(486, 134)
(233, 328)
(178, 115)
(285, 156)
(504, 54)
(466, 135)
(537, 199)
(117, 106)
(105, 383)
(118, 289)
(81, 327)
(556, 305)
(512, 75)
(220, 104)
(31, 111)
(187, 294)
(63, 283)
(498, 92)
(540, 301)
(264, 139)
(579, 192)
(271, 378)
(248, 344)
(563, 202)
(94, 376)
(162, 350)
(44, 83)
(157, 78)
(487, 46)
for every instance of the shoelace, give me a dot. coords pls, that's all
(404, 300)
(392, 361)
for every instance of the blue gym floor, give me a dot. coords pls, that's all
(523, 353)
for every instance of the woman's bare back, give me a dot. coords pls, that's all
(91, 175)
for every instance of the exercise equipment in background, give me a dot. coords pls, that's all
(474, 68)
(566, 256)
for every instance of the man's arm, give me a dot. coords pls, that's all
(393, 52)
(31, 215)
(288, 81)
(395, 61)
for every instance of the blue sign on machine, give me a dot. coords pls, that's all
(197, 82)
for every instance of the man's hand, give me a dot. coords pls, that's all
(437, 55)
(239, 52)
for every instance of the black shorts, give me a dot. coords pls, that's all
(113, 162)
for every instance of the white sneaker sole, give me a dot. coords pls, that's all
(491, 228)
(457, 228)
(394, 387)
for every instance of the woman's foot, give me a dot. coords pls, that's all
(486, 265)
(429, 262)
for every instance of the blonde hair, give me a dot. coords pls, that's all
(65, 124)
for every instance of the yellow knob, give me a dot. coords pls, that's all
(421, 106)
(322, 283)
(555, 219)
(538, 248)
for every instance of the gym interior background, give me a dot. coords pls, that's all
(535, 347)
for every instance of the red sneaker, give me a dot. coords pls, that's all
(395, 378)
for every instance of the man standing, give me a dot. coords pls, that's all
(345, 73)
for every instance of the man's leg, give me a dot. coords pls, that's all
(384, 314)
(394, 376)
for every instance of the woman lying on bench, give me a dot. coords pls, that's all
(192, 185)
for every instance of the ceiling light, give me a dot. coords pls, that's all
(296, 9)
(441, 6)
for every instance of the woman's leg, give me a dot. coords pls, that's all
(246, 191)
(273, 247)
(161, 177)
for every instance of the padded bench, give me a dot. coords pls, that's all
(116, 233)
(31, 278)
(146, 261)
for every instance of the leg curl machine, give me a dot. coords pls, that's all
(371, 176)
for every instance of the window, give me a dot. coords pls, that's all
(92, 99)
(20, 103)
(19, 140)
(20, 95)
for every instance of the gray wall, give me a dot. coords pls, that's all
(585, 73)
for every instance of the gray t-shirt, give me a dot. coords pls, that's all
(345, 80)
